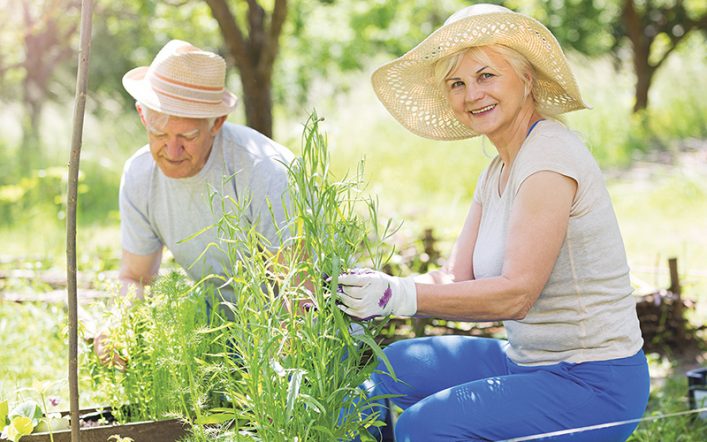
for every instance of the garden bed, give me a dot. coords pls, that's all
(99, 425)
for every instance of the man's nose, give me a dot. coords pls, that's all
(174, 148)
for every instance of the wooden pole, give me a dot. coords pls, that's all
(674, 277)
(76, 138)
(678, 315)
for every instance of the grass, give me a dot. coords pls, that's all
(663, 215)
(669, 399)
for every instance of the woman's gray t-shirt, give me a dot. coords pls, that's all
(586, 311)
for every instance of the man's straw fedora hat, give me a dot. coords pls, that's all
(407, 85)
(182, 81)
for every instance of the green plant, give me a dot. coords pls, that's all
(21, 420)
(31, 416)
(161, 341)
(670, 398)
(295, 373)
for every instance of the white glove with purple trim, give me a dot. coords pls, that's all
(367, 293)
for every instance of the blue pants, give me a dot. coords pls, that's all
(460, 388)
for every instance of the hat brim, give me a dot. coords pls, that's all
(407, 87)
(134, 82)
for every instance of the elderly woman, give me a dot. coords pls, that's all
(540, 250)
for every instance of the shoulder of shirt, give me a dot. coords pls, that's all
(558, 133)
(140, 162)
(247, 141)
(555, 137)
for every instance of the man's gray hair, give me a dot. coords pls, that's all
(158, 120)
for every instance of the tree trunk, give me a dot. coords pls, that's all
(46, 47)
(640, 45)
(644, 78)
(30, 146)
(254, 55)
(257, 102)
(642, 26)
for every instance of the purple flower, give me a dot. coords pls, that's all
(53, 401)
(385, 298)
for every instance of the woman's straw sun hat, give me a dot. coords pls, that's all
(182, 81)
(407, 85)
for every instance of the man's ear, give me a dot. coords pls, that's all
(139, 110)
(218, 123)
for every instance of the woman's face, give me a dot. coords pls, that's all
(487, 97)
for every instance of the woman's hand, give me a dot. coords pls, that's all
(367, 293)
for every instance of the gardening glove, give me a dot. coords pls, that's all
(366, 293)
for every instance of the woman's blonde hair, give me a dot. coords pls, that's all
(520, 65)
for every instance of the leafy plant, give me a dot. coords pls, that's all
(28, 417)
(291, 372)
(161, 341)
(668, 399)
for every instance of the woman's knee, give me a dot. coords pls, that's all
(423, 423)
(411, 427)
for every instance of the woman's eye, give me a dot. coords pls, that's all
(486, 75)
(455, 84)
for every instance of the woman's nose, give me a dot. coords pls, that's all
(473, 92)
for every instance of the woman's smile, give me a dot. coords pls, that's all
(483, 110)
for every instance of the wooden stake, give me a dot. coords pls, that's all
(674, 277)
(72, 193)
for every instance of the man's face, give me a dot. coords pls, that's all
(182, 146)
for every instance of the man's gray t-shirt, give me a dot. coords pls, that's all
(158, 211)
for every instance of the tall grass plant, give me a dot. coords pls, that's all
(296, 361)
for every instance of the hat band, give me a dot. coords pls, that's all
(192, 93)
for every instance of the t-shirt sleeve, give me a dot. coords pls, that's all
(138, 236)
(565, 155)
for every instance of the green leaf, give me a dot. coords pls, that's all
(29, 409)
(3, 413)
(19, 426)
(293, 392)
(375, 348)
(51, 424)
(216, 418)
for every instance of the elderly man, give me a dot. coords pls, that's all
(164, 192)
(192, 151)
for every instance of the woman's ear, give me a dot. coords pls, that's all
(528, 84)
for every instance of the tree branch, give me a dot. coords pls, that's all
(688, 26)
(279, 15)
(231, 32)
(632, 21)
(257, 43)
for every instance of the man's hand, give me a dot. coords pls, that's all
(106, 352)
(367, 293)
